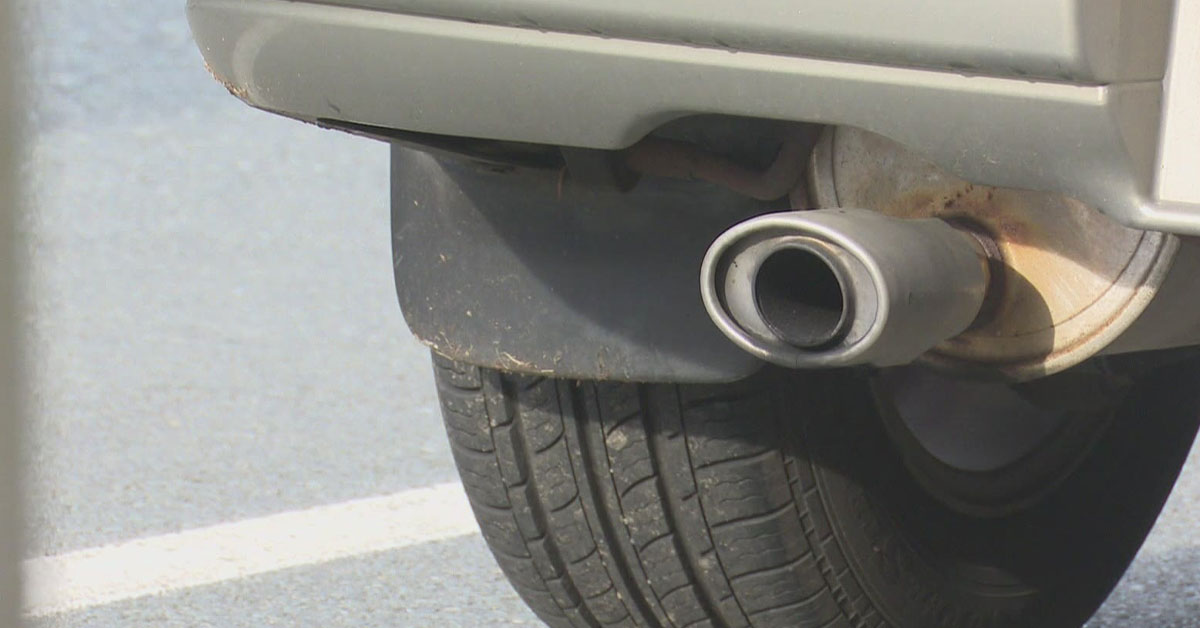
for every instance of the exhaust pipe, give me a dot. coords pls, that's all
(842, 287)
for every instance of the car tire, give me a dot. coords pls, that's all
(785, 501)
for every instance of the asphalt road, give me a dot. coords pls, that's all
(215, 338)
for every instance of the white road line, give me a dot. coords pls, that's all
(229, 551)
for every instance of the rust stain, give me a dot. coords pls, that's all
(1000, 214)
(1005, 216)
(1063, 264)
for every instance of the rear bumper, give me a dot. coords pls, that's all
(1097, 141)
(1085, 41)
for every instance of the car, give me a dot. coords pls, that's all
(828, 313)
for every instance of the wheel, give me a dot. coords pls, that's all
(817, 499)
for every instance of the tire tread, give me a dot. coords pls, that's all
(613, 505)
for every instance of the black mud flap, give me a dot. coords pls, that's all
(524, 269)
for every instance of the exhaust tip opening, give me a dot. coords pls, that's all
(801, 297)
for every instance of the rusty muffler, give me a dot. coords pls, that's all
(842, 287)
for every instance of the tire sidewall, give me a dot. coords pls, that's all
(925, 564)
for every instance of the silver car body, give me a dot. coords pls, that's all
(1096, 99)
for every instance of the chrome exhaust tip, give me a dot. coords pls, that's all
(841, 287)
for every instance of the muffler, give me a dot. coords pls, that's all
(842, 287)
